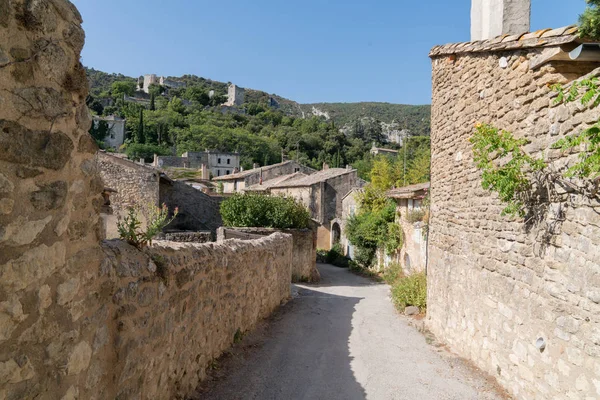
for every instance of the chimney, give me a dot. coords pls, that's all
(492, 18)
(255, 166)
(325, 166)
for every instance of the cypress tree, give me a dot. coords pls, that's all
(139, 136)
(152, 105)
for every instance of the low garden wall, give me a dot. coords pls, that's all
(304, 267)
(186, 237)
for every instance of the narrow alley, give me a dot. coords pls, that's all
(342, 339)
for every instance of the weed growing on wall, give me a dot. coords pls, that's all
(130, 227)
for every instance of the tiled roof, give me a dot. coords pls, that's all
(541, 38)
(244, 174)
(408, 191)
(320, 176)
(276, 181)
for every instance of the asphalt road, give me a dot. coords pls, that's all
(342, 339)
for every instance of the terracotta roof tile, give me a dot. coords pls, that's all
(540, 38)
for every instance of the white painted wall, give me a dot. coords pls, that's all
(492, 18)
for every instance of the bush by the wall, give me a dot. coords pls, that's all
(410, 290)
(257, 210)
(135, 151)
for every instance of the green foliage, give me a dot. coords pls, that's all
(410, 290)
(257, 210)
(130, 227)
(415, 216)
(589, 21)
(135, 151)
(120, 88)
(505, 166)
(392, 273)
(588, 141)
(394, 239)
(100, 130)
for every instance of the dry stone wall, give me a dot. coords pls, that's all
(170, 311)
(304, 266)
(494, 287)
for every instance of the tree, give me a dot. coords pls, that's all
(589, 21)
(152, 104)
(139, 135)
(120, 88)
(99, 130)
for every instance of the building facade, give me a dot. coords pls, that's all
(252, 179)
(412, 215)
(322, 193)
(521, 300)
(218, 163)
(116, 130)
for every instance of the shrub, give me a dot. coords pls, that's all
(589, 21)
(392, 273)
(414, 216)
(334, 253)
(410, 290)
(322, 255)
(257, 210)
(130, 227)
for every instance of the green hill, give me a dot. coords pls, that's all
(415, 119)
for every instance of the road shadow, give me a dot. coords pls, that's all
(301, 352)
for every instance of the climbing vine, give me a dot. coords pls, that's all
(517, 177)
(506, 166)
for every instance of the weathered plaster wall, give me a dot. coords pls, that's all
(49, 203)
(197, 210)
(304, 267)
(494, 289)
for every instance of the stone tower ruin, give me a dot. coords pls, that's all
(491, 18)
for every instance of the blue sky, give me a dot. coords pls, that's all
(308, 51)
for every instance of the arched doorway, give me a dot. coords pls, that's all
(336, 234)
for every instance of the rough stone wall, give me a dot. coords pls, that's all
(165, 314)
(197, 210)
(413, 255)
(136, 185)
(335, 190)
(304, 267)
(186, 237)
(494, 289)
(49, 203)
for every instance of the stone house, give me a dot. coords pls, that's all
(133, 184)
(410, 215)
(376, 151)
(350, 203)
(322, 193)
(218, 163)
(238, 182)
(520, 300)
(116, 130)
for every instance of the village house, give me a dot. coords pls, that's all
(218, 163)
(411, 215)
(116, 130)
(322, 193)
(238, 182)
(135, 185)
(519, 297)
(350, 203)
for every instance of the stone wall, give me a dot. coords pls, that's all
(197, 210)
(495, 287)
(50, 195)
(186, 237)
(79, 320)
(304, 267)
(165, 314)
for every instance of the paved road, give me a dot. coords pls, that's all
(342, 339)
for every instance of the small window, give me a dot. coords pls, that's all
(218, 172)
(218, 161)
(228, 161)
(296, 169)
(227, 172)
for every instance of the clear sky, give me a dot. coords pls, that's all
(308, 50)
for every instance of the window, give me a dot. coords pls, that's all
(218, 172)
(228, 161)
(218, 161)
(227, 172)
(296, 169)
